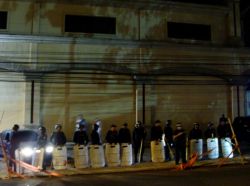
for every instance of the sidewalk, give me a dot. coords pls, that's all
(148, 166)
(143, 166)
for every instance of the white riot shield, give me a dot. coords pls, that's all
(112, 154)
(226, 148)
(81, 156)
(97, 156)
(126, 154)
(3, 169)
(157, 151)
(196, 146)
(213, 148)
(38, 158)
(59, 158)
(21, 157)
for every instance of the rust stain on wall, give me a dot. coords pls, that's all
(11, 6)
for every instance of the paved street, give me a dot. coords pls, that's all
(227, 175)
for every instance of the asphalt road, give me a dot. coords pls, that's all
(224, 176)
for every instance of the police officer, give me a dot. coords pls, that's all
(42, 137)
(80, 136)
(41, 143)
(58, 137)
(112, 135)
(223, 129)
(124, 134)
(196, 132)
(168, 131)
(139, 135)
(179, 138)
(156, 131)
(95, 137)
(210, 132)
(12, 145)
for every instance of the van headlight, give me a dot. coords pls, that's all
(49, 149)
(27, 151)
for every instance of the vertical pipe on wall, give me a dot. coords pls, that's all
(143, 103)
(238, 101)
(32, 101)
(136, 105)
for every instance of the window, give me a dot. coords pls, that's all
(90, 24)
(3, 19)
(189, 31)
(206, 2)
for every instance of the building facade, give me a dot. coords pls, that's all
(120, 62)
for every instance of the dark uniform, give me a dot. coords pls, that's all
(210, 132)
(112, 135)
(180, 144)
(80, 136)
(42, 138)
(196, 132)
(124, 134)
(139, 135)
(12, 145)
(58, 137)
(223, 129)
(95, 138)
(41, 143)
(168, 131)
(156, 131)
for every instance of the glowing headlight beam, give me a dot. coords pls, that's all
(49, 149)
(27, 151)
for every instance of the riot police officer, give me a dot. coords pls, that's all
(179, 138)
(80, 136)
(156, 131)
(12, 145)
(95, 137)
(168, 131)
(124, 134)
(196, 132)
(58, 137)
(112, 135)
(223, 129)
(210, 132)
(139, 135)
(41, 143)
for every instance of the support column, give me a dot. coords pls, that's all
(237, 101)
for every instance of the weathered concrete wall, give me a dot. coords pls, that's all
(12, 102)
(113, 99)
(133, 23)
(62, 103)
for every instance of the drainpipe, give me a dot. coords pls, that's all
(32, 101)
(143, 103)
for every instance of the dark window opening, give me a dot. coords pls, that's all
(189, 31)
(90, 24)
(206, 2)
(3, 20)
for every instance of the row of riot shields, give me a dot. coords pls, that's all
(196, 146)
(213, 148)
(99, 155)
(84, 156)
(118, 154)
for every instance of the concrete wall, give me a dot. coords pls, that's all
(62, 103)
(60, 97)
(12, 107)
(133, 23)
